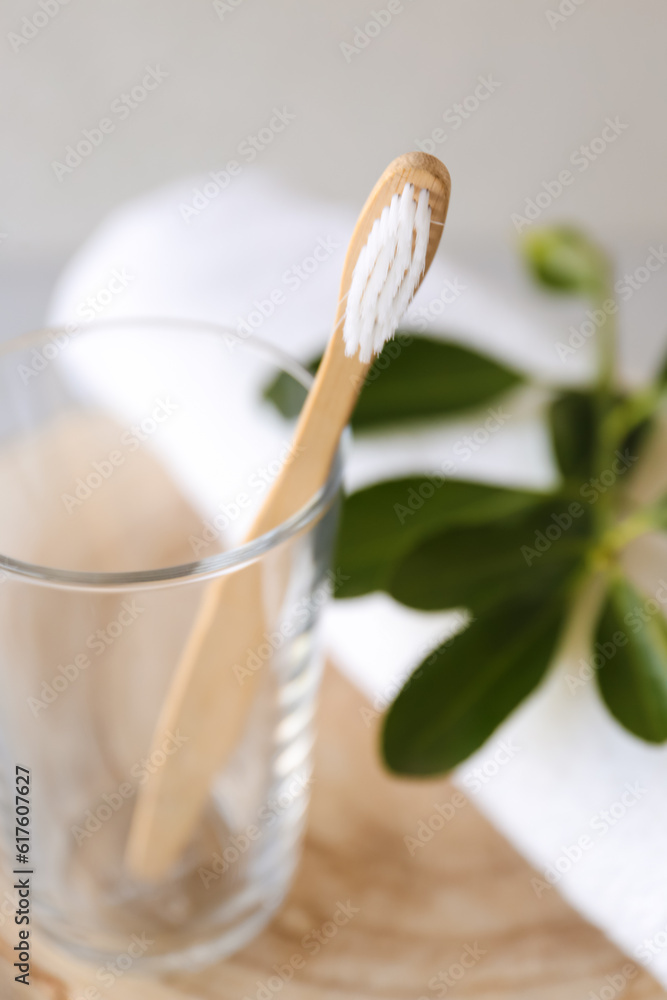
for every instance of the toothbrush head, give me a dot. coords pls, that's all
(390, 265)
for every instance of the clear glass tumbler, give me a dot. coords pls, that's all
(133, 456)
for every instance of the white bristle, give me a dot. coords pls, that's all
(387, 273)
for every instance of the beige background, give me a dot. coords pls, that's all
(558, 84)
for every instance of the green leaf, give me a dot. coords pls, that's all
(563, 259)
(661, 379)
(381, 523)
(462, 692)
(531, 551)
(413, 378)
(636, 439)
(428, 379)
(572, 420)
(632, 640)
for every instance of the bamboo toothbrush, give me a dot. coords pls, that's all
(391, 249)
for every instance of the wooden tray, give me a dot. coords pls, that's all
(402, 919)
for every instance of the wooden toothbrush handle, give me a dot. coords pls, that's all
(207, 702)
(205, 698)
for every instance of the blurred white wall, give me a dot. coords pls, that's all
(556, 78)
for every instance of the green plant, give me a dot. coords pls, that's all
(517, 560)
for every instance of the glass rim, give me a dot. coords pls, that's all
(211, 566)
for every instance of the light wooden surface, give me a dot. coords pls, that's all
(205, 697)
(416, 915)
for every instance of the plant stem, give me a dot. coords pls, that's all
(652, 518)
(589, 592)
(632, 411)
(607, 343)
(604, 396)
